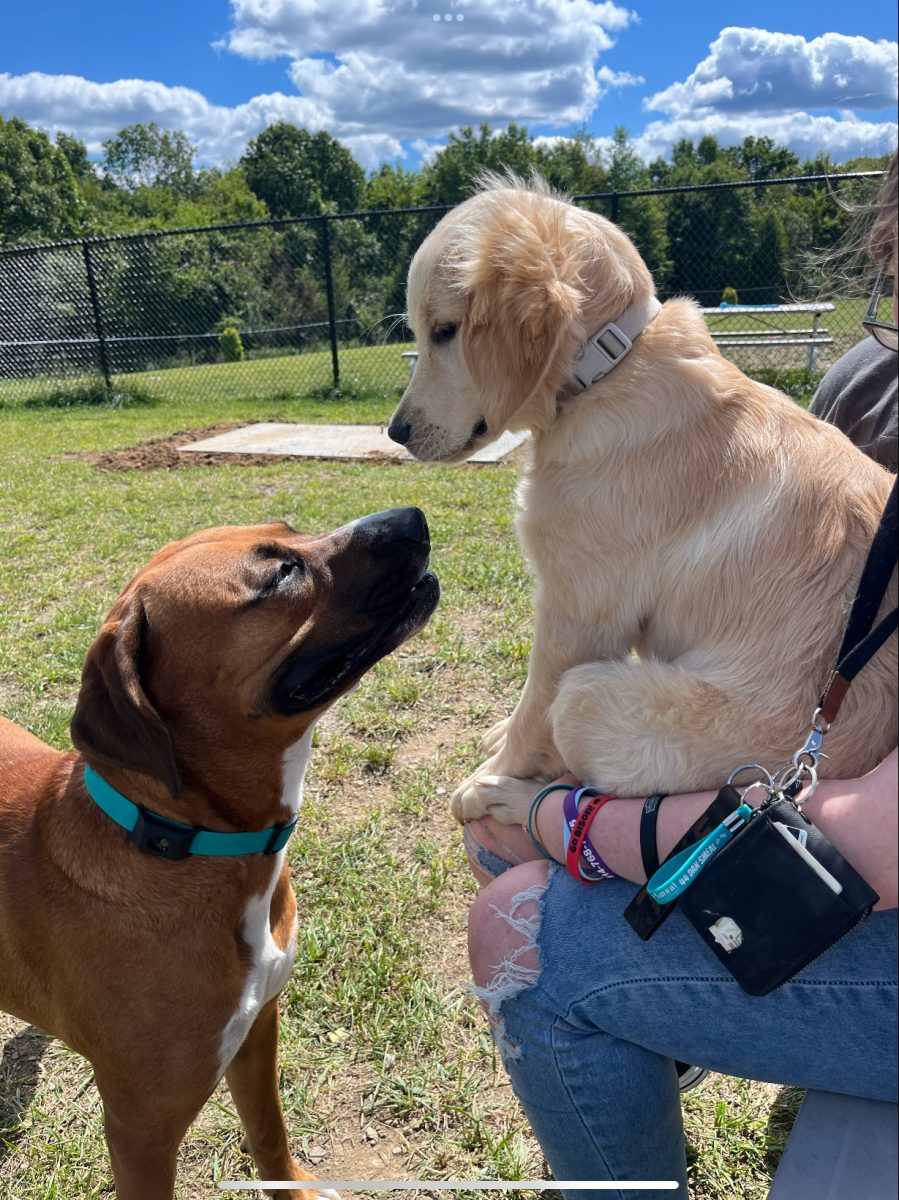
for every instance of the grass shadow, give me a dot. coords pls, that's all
(20, 1071)
(780, 1123)
(93, 394)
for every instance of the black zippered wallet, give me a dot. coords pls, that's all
(766, 911)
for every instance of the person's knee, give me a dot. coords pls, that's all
(504, 922)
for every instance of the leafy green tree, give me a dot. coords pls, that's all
(298, 173)
(145, 156)
(220, 197)
(762, 158)
(710, 232)
(769, 262)
(38, 191)
(453, 175)
(391, 186)
(573, 165)
(76, 153)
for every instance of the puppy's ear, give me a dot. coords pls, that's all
(519, 272)
(114, 721)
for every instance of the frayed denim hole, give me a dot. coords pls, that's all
(486, 859)
(512, 977)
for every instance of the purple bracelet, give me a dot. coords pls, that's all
(595, 867)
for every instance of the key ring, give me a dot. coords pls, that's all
(800, 771)
(769, 786)
(759, 783)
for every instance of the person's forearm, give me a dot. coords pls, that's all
(859, 816)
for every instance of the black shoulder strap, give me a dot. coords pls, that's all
(860, 641)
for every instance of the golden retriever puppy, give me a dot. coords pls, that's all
(696, 537)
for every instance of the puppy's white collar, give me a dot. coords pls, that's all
(606, 348)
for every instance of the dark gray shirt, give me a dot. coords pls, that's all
(859, 395)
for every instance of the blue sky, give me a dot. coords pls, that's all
(392, 81)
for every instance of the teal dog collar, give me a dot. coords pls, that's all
(163, 838)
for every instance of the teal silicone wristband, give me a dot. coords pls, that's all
(532, 816)
(676, 875)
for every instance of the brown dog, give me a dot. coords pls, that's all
(198, 698)
(696, 536)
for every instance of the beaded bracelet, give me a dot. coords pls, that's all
(579, 849)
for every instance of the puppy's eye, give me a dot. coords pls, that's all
(443, 333)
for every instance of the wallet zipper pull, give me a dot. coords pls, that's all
(676, 875)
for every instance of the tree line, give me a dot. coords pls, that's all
(751, 240)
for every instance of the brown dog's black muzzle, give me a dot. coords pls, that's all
(394, 530)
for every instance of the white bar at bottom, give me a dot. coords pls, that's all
(469, 1185)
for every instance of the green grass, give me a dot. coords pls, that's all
(379, 373)
(90, 393)
(379, 1033)
(365, 371)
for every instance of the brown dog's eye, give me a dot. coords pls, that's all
(287, 570)
(443, 333)
(289, 567)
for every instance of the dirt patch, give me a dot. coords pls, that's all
(164, 454)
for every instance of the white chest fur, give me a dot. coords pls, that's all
(270, 964)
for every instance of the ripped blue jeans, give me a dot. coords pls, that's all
(589, 1021)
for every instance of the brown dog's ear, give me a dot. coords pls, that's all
(114, 721)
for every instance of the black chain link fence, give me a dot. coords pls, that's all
(310, 305)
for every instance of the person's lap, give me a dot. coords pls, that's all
(590, 1026)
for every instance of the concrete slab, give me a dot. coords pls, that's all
(354, 442)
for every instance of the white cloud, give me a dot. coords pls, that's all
(376, 74)
(385, 78)
(604, 145)
(96, 111)
(391, 66)
(542, 30)
(616, 79)
(608, 79)
(805, 133)
(752, 70)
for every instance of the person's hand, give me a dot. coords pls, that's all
(493, 847)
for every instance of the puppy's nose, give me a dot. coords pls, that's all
(399, 431)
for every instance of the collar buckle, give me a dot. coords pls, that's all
(605, 349)
(280, 836)
(160, 837)
(602, 353)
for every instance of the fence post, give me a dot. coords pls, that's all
(98, 314)
(329, 289)
(613, 215)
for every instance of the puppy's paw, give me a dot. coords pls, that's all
(501, 796)
(495, 736)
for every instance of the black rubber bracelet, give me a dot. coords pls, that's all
(649, 849)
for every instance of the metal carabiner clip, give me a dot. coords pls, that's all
(811, 748)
